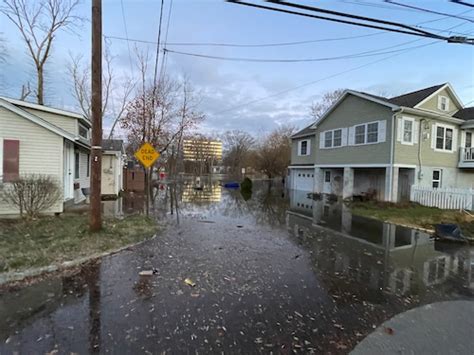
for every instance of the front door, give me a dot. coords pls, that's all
(327, 184)
(68, 178)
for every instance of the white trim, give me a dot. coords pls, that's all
(351, 165)
(308, 147)
(45, 109)
(35, 119)
(402, 133)
(435, 137)
(439, 181)
(408, 166)
(424, 113)
(322, 138)
(355, 93)
(452, 92)
(301, 167)
(366, 133)
(1, 159)
(440, 101)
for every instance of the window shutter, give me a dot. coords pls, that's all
(433, 136)
(344, 137)
(1, 159)
(308, 147)
(455, 139)
(321, 140)
(11, 160)
(399, 129)
(351, 135)
(298, 152)
(439, 102)
(416, 131)
(382, 133)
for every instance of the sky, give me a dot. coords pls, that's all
(259, 96)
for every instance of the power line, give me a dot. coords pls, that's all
(323, 59)
(158, 47)
(248, 45)
(421, 9)
(459, 2)
(319, 80)
(126, 35)
(163, 61)
(414, 32)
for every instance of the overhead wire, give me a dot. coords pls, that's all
(126, 35)
(421, 9)
(164, 60)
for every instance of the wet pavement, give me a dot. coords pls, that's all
(275, 272)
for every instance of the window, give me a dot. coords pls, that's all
(407, 131)
(468, 143)
(337, 136)
(443, 103)
(327, 176)
(328, 139)
(88, 165)
(437, 178)
(11, 160)
(76, 165)
(360, 134)
(83, 132)
(444, 138)
(372, 132)
(304, 147)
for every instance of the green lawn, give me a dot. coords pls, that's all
(50, 240)
(413, 215)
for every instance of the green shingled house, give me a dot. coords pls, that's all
(384, 147)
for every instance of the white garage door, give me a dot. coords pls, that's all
(302, 179)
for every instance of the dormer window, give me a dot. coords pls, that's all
(443, 103)
(83, 132)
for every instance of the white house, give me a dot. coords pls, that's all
(36, 139)
(113, 158)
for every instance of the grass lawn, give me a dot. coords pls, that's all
(414, 215)
(50, 240)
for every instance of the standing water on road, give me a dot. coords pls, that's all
(274, 271)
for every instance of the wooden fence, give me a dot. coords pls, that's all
(445, 198)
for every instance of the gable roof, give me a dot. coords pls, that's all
(43, 108)
(307, 131)
(35, 119)
(466, 113)
(411, 99)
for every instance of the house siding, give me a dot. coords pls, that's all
(352, 111)
(41, 151)
(303, 159)
(432, 103)
(83, 180)
(68, 124)
(408, 154)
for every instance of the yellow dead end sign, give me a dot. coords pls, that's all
(147, 155)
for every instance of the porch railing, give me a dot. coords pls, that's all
(467, 155)
(445, 198)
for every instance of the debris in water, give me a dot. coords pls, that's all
(388, 330)
(189, 282)
(146, 273)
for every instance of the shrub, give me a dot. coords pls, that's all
(31, 194)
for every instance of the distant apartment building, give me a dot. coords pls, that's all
(198, 150)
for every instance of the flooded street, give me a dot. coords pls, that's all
(275, 271)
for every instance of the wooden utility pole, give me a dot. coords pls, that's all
(96, 110)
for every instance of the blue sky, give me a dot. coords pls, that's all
(228, 87)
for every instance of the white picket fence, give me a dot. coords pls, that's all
(445, 198)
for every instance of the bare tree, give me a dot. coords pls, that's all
(39, 23)
(237, 151)
(318, 108)
(116, 91)
(273, 153)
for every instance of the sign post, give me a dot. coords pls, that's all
(147, 156)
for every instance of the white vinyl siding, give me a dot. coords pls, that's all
(41, 151)
(69, 124)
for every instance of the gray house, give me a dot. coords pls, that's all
(370, 145)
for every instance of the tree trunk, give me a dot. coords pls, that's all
(40, 85)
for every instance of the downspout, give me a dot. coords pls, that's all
(392, 153)
(420, 136)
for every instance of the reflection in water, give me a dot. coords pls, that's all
(380, 256)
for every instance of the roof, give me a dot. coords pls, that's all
(47, 109)
(411, 99)
(466, 113)
(304, 132)
(112, 145)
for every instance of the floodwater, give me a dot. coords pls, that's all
(275, 272)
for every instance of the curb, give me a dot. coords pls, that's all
(9, 277)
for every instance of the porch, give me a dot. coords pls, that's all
(466, 157)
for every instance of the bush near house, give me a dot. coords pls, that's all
(45, 241)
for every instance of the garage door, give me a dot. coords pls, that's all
(302, 179)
